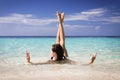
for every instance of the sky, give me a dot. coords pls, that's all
(38, 17)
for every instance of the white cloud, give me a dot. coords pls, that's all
(113, 19)
(26, 19)
(86, 15)
(97, 27)
(68, 26)
(95, 15)
(97, 11)
(76, 16)
(21, 15)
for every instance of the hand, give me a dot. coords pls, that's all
(93, 57)
(28, 56)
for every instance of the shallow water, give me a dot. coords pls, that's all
(13, 64)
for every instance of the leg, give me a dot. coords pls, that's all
(62, 37)
(58, 32)
(61, 32)
(58, 36)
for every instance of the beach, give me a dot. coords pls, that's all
(13, 65)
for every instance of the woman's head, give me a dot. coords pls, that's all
(57, 48)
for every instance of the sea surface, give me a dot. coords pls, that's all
(13, 65)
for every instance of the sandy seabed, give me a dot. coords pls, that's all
(58, 72)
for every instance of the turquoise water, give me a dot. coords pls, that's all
(12, 56)
(40, 46)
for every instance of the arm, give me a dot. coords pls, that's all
(38, 63)
(92, 59)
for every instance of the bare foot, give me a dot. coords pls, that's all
(59, 16)
(62, 17)
(28, 56)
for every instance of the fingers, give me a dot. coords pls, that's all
(28, 56)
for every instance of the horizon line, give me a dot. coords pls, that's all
(50, 36)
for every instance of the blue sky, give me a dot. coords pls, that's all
(38, 17)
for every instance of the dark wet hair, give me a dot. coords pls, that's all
(59, 51)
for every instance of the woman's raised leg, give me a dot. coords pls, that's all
(61, 32)
(58, 32)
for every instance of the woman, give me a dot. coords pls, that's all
(58, 50)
